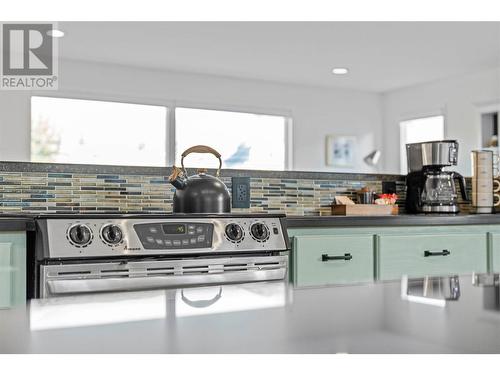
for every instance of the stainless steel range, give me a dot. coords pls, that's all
(103, 253)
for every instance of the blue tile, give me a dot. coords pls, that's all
(60, 175)
(16, 204)
(108, 176)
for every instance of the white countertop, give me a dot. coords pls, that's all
(268, 317)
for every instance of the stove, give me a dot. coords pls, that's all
(77, 254)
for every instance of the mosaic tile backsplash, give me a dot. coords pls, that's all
(58, 188)
(69, 192)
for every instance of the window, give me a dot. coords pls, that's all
(245, 140)
(97, 132)
(419, 130)
(80, 131)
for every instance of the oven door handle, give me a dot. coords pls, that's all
(77, 286)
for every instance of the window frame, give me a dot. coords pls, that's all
(101, 98)
(402, 133)
(227, 108)
(170, 123)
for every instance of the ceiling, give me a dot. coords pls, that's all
(381, 56)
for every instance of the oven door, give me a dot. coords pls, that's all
(71, 279)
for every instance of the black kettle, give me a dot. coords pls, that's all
(201, 193)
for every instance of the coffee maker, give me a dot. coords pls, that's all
(429, 188)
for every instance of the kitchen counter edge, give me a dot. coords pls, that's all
(14, 224)
(396, 220)
(27, 223)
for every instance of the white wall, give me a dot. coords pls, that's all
(316, 112)
(459, 99)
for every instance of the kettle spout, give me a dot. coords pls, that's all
(177, 178)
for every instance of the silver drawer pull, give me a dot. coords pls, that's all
(326, 257)
(443, 253)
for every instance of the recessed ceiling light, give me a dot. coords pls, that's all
(54, 33)
(340, 71)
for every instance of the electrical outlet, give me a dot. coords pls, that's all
(241, 192)
(388, 187)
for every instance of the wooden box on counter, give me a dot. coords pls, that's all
(364, 210)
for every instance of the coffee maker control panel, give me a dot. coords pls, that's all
(453, 155)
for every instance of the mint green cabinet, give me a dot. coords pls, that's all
(321, 260)
(12, 269)
(495, 252)
(427, 255)
(394, 251)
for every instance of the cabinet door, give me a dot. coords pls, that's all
(421, 255)
(323, 259)
(495, 249)
(12, 269)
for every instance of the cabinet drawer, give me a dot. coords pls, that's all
(420, 255)
(5, 275)
(12, 269)
(309, 267)
(495, 249)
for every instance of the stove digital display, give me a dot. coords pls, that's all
(174, 228)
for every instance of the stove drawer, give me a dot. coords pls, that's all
(73, 279)
(322, 260)
(427, 255)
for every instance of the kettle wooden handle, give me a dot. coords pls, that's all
(201, 149)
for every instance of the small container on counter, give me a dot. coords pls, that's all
(366, 196)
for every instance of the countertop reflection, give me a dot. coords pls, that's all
(457, 314)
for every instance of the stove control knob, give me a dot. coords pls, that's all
(112, 234)
(234, 232)
(80, 235)
(260, 232)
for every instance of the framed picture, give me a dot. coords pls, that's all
(340, 150)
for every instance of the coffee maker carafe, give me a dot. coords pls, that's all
(429, 188)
